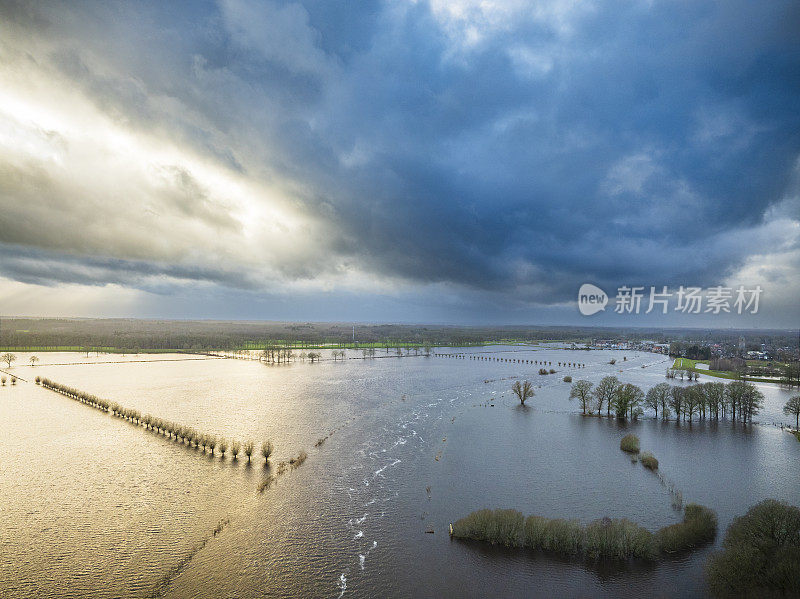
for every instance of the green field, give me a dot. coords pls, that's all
(687, 364)
(102, 350)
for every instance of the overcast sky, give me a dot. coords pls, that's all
(462, 161)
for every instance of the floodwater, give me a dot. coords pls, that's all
(93, 506)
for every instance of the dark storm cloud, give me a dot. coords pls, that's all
(644, 142)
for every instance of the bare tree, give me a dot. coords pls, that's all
(752, 402)
(792, 408)
(582, 391)
(735, 397)
(691, 401)
(8, 357)
(605, 391)
(523, 391)
(627, 400)
(676, 401)
(266, 450)
(715, 399)
(33, 360)
(657, 397)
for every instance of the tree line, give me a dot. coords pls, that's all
(172, 430)
(682, 372)
(737, 400)
(463, 356)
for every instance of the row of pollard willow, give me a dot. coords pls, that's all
(287, 355)
(173, 430)
(513, 360)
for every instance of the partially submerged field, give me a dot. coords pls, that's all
(94, 506)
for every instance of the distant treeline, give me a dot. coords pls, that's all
(784, 345)
(114, 334)
(149, 335)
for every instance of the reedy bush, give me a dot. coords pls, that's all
(629, 443)
(649, 461)
(298, 460)
(699, 526)
(601, 539)
(619, 539)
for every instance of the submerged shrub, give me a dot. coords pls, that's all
(223, 446)
(534, 532)
(297, 461)
(601, 539)
(761, 554)
(629, 443)
(248, 449)
(499, 527)
(236, 447)
(619, 539)
(699, 526)
(38, 380)
(266, 483)
(567, 379)
(563, 536)
(649, 461)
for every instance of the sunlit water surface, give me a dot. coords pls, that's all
(93, 506)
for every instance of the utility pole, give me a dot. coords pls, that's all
(354, 334)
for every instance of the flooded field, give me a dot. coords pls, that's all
(94, 506)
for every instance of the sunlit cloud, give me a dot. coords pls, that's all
(468, 154)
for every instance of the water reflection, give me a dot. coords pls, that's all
(94, 507)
